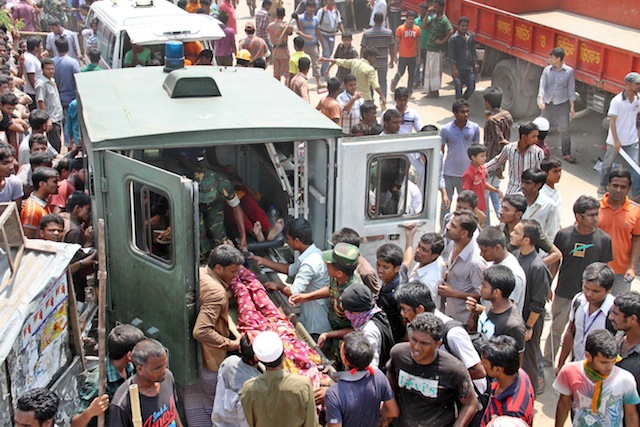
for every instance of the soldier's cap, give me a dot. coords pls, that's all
(358, 298)
(267, 347)
(343, 253)
(632, 77)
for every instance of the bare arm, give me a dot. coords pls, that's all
(614, 132)
(390, 409)
(477, 372)
(317, 294)
(97, 407)
(635, 252)
(409, 233)
(562, 410)
(280, 267)
(238, 215)
(567, 346)
(553, 257)
(467, 411)
(631, 415)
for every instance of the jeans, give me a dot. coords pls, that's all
(560, 308)
(493, 198)
(558, 116)
(421, 67)
(329, 44)
(465, 78)
(403, 65)
(451, 183)
(382, 79)
(395, 19)
(610, 155)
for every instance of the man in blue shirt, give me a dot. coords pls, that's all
(556, 97)
(65, 68)
(309, 30)
(309, 272)
(457, 136)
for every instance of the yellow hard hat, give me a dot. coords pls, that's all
(244, 54)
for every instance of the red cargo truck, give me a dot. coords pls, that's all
(601, 40)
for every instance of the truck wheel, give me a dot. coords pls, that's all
(516, 90)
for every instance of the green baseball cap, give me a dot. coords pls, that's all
(343, 254)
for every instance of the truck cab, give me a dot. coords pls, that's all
(137, 123)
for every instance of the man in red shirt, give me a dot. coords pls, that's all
(620, 219)
(75, 181)
(228, 8)
(408, 48)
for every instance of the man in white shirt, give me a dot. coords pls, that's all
(623, 131)
(539, 207)
(493, 248)
(430, 267)
(31, 68)
(553, 168)
(589, 311)
(410, 118)
(350, 101)
(57, 31)
(378, 6)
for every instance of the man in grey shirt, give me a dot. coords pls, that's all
(466, 266)
(556, 97)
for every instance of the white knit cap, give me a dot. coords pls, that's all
(267, 347)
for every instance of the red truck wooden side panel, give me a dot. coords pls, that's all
(596, 63)
(621, 12)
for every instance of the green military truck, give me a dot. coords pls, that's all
(134, 124)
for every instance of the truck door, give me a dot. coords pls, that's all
(383, 183)
(152, 255)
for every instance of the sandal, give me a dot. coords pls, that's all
(569, 159)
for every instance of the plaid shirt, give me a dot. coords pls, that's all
(262, 23)
(518, 163)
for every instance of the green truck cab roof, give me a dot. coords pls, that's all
(133, 109)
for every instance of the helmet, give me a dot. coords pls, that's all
(542, 123)
(243, 54)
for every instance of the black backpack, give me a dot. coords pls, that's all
(607, 324)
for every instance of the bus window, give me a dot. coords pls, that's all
(151, 223)
(395, 185)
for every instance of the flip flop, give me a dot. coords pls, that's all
(569, 159)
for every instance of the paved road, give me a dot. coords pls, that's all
(588, 137)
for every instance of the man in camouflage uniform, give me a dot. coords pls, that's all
(215, 189)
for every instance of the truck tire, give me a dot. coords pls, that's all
(518, 88)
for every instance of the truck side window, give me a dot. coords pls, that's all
(106, 42)
(151, 222)
(396, 185)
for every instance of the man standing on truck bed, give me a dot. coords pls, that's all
(462, 55)
(439, 30)
(556, 97)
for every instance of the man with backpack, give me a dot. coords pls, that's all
(329, 22)
(589, 311)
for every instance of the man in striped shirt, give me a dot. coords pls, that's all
(497, 132)
(522, 155)
(511, 392)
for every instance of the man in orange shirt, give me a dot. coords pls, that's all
(329, 105)
(620, 219)
(45, 183)
(408, 48)
(193, 6)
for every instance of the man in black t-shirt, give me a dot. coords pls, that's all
(581, 244)
(156, 388)
(429, 383)
(503, 317)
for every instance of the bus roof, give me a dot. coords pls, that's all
(129, 108)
